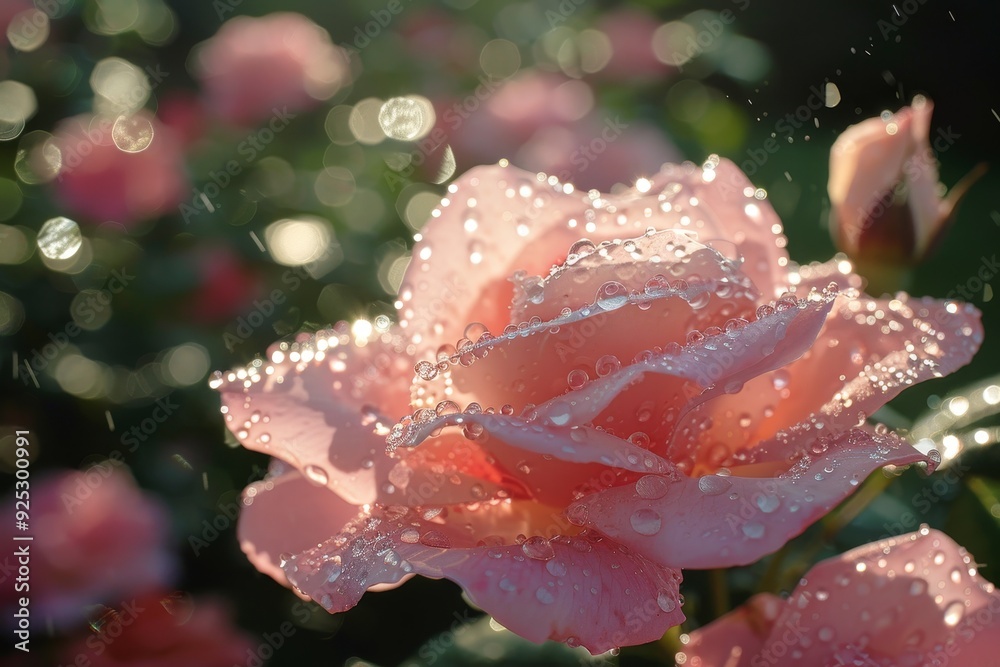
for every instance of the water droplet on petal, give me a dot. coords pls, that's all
(645, 521)
(433, 538)
(410, 536)
(425, 370)
(713, 485)
(507, 585)
(665, 601)
(651, 487)
(612, 295)
(317, 475)
(953, 613)
(753, 529)
(607, 365)
(544, 595)
(538, 548)
(767, 503)
(556, 568)
(577, 378)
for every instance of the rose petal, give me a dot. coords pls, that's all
(542, 589)
(908, 600)
(632, 263)
(528, 218)
(774, 340)
(317, 404)
(478, 238)
(882, 347)
(273, 521)
(717, 521)
(734, 639)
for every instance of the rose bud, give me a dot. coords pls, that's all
(886, 208)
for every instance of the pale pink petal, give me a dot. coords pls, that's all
(529, 222)
(878, 346)
(318, 404)
(541, 589)
(483, 233)
(556, 429)
(721, 521)
(285, 515)
(735, 639)
(912, 600)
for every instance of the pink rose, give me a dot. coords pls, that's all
(97, 539)
(226, 285)
(119, 170)
(282, 61)
(546, 122)
(165, 630)
(912, 600)
(630, 33)
(884, 188)
(594, 394)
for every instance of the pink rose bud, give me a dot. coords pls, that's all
(884, 192)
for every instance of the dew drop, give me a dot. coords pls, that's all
(434, 538)
(713, 485)
(317, 475)
(612, 295)
(578, 515)
(651, 487)
(425, 370)
(753, 529)
(665, 601)
(538, 548)
(607, 365)
(544, 595)
(645, 521)
(767, 503)
(556, 568)
(953, 613)
(410, 536)
(507, 585)
(577, 378)
(826, 634)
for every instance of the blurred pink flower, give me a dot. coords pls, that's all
(645, 403)
(912, 600)
(435, 39)
(97, 538)
(184, 114)
(630, 32)
(164, 630)
(598, 155)
(119, 171)
(283, 61)
(226, 284)
(546, 122)
(884, 190)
